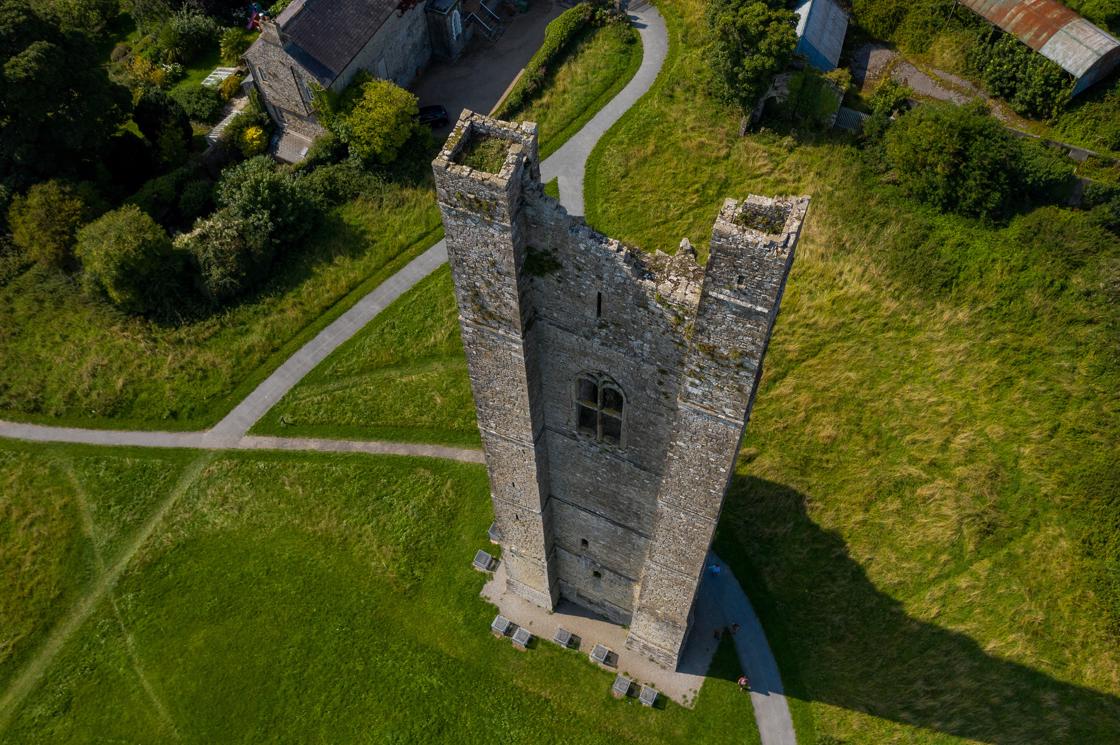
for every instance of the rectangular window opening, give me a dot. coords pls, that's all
(586, 420)
(612, 429)
(598, 305)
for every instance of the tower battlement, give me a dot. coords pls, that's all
(612, 385)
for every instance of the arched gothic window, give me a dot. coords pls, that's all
(599, 405)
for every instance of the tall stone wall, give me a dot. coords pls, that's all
(612, 386)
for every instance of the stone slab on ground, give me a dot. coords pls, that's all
(681, 686)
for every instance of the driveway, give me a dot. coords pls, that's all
(479, 78)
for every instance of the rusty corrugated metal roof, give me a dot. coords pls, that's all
(1051, 29)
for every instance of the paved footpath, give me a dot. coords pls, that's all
(567, 165)
(569, 162)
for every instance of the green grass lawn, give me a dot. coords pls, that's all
(67, 358)
(592, 72)
(932, 443)
(322, 598)
(403, 377)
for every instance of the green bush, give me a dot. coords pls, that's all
(187, 34)
(560, 33)
(333, 184)
(202, 104)
(753, 42)
(1044, 173)
(127, 257)
(159, 197)
(233, 136)
(44, 222)
(376, 119)
(229, 87)
(1032, 84)
(196, 199)
(165, 124)
(230, 254)
(235, 41)
(954, 157)
(257, 189)
(812, 101)
(888, 100)
(911, 24)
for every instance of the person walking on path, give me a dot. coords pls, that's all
(744, 684)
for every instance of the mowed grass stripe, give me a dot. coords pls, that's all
(33, 671)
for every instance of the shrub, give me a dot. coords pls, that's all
(812, 101)
(889, 99)
(186, 34)
(912, 24)
(44, 222)
(129, 161)
(256, 188)
(235, 41)
(560, 34)
(120, 52)
(229, 87)
(231, 254)
(234, 133)
(378, 118)
(196, 199)
(159, 197)
(954, 158)
(333, 184)
(127, 257)
(166, 125)
(752, 43)
(1044, 173)
(202, 104)
(1032, 84)
(253, 141)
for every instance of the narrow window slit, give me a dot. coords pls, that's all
(598, 305)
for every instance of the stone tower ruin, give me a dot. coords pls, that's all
(612, 386)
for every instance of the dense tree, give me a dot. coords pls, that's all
(84, 16)
(165, 124)
(955, 158)
(127, 257)
(57, 105)
(377, 118)
(231, 254)
(256, 189)
(201, 103)
(752, 43)
(44, 221)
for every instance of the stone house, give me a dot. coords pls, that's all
(326, 42)
(612, 386)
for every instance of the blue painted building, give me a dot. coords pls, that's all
(821, 27)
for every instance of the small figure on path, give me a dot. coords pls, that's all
(744, 684)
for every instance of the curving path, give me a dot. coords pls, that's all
(568, 166)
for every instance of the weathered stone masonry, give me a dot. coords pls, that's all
(612, 386)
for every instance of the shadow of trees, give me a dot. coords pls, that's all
(842, 642)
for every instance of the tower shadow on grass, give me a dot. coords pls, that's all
(840, 641)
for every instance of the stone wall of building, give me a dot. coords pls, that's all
(401, 47)
(612, 386)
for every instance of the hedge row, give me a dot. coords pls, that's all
(558, 36)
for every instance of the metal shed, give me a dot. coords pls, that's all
(821, 27)
(1086, 52)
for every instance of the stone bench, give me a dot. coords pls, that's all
(500, 626)
(648, 696)
(600, 655)
(563, 637)
(522, 638)
(621, 687)
(494, 534)
(483, 561)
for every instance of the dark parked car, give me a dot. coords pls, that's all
(434, 116)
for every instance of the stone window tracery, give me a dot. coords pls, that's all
(599, 405)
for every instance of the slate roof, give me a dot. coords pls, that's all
(281, 79)
(325, 35)
(1052, 30)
